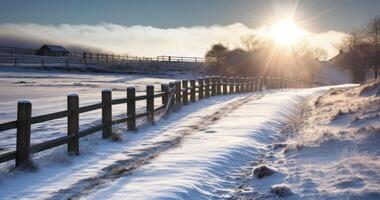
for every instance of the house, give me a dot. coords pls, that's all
(52, 50)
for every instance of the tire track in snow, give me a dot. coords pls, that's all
(143, 155)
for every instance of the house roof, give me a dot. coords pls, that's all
(55, 47)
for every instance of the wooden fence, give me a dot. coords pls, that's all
(172, 95)
(18, 56)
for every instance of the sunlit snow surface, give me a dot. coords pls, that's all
(207, 150)
(198, 153)
(48, 92)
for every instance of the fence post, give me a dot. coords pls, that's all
(165, 89)
(249, 84)
(150, 103)
(218, 85)
(225, 85)
(254, 84)
(171, 87)
(213, 85)
(185, 96)
(24, 113)
(106, 113)
(231, 83)
(200, 89)
(131, 108)
(243, 84)
(73, 123)
(192, 91)
(207, 89)
(178, 100)
(237, 84)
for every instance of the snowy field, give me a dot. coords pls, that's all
(48, 90)
(318, 145)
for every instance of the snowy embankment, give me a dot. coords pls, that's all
(206, 150)
(333, 154)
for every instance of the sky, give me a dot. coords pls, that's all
(157, 27)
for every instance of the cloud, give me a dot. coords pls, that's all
(141, 40)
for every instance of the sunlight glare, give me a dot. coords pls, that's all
(286, 33)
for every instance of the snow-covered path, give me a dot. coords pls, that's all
(196, 153)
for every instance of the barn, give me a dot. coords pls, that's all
(52, 50)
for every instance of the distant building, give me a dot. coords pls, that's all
(52, 50)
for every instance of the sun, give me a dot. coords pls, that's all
(286, 32)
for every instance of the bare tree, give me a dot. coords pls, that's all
(373, 37)
(351, 41)
(250, 42)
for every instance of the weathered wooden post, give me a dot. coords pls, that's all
(207, 89)
(242, 84)
(249, 84)
(252, 84)
(185, 96)
(261, 82)
(213, 86)
(171, 91)
(237, 90)
(225, 85)
(255, 83)
(178, 100)
(218, 85)
(165, 90)
(24, 114)
(150, 103)
(73, 123)
(107, 113)
(192, 91)
(200, 89)
(246, 84)
(238, 84)
(231, 84)
(131, 108)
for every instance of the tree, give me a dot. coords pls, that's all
(356, 53)
(250, 42)
(215, 57)
(373, 37)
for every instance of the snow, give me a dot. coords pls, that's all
(24, 101)
(195, 153)
(334, 153)
(48, 90)
(320, 143)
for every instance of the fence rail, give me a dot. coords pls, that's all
(173, 95)
(17, 56)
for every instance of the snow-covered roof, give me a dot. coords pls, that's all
(55, 47)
